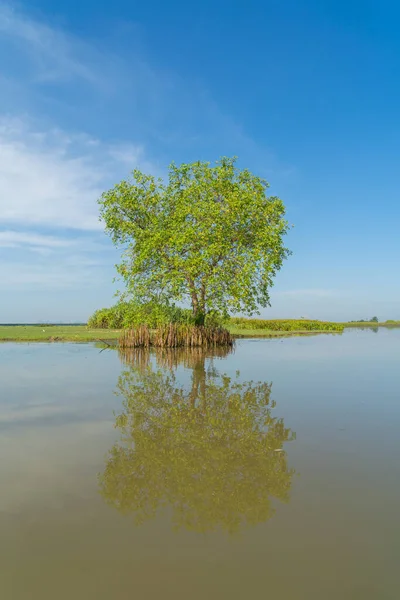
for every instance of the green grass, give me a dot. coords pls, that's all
(47, 333)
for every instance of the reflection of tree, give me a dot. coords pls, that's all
(212, 454)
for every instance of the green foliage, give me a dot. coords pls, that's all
(285, 325)
(374, 320)
(210, 235)
(213, 454)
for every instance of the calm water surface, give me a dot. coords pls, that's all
(273, 471)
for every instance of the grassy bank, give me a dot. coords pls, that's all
(255, 328)
(80, 333)
(54, 333)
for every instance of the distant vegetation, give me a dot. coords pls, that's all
(373, 320)
(284, 325)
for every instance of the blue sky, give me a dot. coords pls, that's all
(306, 94)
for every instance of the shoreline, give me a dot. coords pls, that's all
(81, 334)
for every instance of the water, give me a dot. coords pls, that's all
(191, 484)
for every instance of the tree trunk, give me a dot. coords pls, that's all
(195, 303)
(201, 312)
(197, 307)
(199, 318)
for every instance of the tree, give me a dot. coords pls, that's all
(210, 235)
(211, 454)
(374, 320)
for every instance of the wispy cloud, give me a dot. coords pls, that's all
(179, 116)
(34, 261)
(47, 274)
(308, 293)
(15, 239)
(53, 54)
(54, 179)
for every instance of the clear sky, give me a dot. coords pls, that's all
(306, 94)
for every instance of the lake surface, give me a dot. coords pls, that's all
(269, 472)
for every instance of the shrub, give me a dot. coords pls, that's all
(216, 319)
(106, 318)
(126, 315)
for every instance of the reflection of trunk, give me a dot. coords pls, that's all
(198, 383)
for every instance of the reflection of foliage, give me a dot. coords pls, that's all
(212, 454)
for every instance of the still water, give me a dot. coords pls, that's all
(269, 472)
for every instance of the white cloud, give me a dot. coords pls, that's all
(50, 177)
(53, 179)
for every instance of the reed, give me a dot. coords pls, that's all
(138, 337)
(135, 357)
(176, 335)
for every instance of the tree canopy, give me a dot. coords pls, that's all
(211, 454)
(210, 235)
